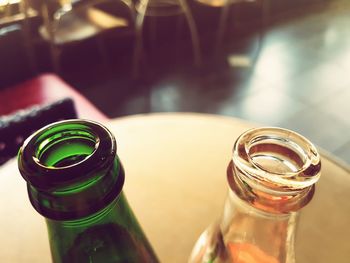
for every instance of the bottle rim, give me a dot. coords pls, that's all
(281, 144)
(46, 177)
(62, 187)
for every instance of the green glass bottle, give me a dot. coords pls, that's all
(75, 180)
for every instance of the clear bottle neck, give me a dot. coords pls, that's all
(271, 177)
(252, 235)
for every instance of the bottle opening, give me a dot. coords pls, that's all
(274, 169)
(65, 152)
(66, 148)
(71, 169)
(275, 155)
(276, 158)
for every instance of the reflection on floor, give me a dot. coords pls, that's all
(301, 81)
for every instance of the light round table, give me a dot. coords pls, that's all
(176, 184)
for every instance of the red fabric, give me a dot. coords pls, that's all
(44, 89)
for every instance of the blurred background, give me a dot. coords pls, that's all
(273, 62)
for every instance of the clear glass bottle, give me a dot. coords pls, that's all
(75, 180)
(271, 176)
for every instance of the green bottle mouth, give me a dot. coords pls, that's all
(71, 169)
(65, 151)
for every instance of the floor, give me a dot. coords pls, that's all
(297, 77)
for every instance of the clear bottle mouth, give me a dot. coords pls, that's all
(275, 169)
(277, 158)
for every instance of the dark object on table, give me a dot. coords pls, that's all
(15, 128)
(44, 89)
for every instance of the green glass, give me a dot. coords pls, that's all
(75, 180)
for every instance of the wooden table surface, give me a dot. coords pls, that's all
(176, 184)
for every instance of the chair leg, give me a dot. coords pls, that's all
(54, 50)
(222, 27)
(179, 25)
(152, 32)
(265, 13)
(194, 33)
(138, 47)
(55, 58)
(102, 50)
(265, 7)
(30, 52)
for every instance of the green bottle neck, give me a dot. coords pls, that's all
(75, 181)
(71, 168)
(82, 200)
(111, 235)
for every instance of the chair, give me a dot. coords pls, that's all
(17, 14)
(74, 21)
(226, 6)
(159, 8)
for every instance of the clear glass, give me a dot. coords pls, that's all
(75, 180)
(271, 176)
